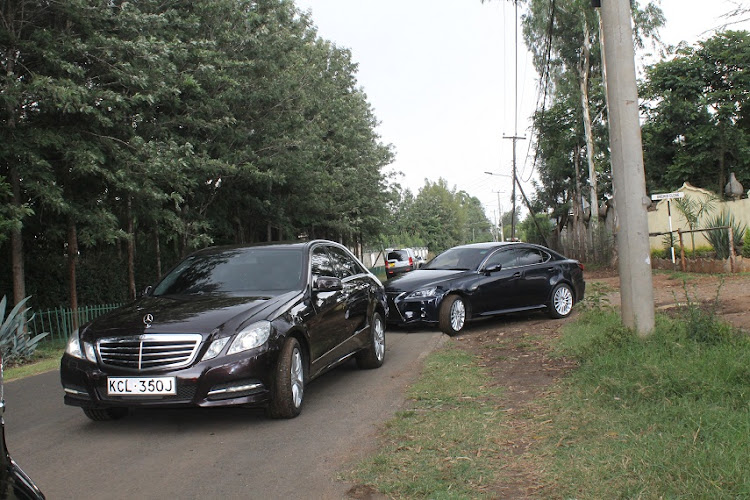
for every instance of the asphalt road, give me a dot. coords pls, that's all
(207, 454)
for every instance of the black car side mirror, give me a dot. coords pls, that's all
(327, 284)
(493, 269)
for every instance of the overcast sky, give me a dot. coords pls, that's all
(440, 76)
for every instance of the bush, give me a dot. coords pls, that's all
(719, 238)
(746, 245)
(15, 342)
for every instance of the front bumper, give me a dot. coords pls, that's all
(403, 311)
(240, 379)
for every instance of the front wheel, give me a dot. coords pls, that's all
(373, 356)
(452, 318)
(561, 302)
(289, 386)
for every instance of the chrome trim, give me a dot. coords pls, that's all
(240, 388)
(149, 352)
(75, 392)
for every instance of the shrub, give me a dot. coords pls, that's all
(15, 342)
(719, 238)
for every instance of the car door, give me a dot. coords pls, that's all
(356, 288)
(328, 326)
(496, 290)
(536, 271)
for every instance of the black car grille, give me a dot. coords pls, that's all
(149, 352)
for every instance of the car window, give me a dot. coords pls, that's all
(234, 271)
(398, 255)
(530, 256)
(321, 263)
(344, 262)
(506, 258)
(459, 259)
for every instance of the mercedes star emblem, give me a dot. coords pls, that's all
(148, 319)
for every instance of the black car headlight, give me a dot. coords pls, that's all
(423, 293)
(80, 349)
(250, 337)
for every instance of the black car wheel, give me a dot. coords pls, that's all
(561, 302)
(452, 315)
(103, 414)
(289, 388)
(373, 356)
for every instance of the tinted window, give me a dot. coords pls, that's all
(506, 258)
(235, 271)
(321, 263)
(459, 259)
(530, 256)
(346, 265)
(398, 255)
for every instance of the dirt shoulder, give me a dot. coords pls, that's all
(515, 349)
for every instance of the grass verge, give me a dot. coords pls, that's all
(662, 417)
(446, 444)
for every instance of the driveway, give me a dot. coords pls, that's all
(216, 453)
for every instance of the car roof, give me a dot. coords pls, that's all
(266, 244)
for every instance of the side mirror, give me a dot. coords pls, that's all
(493, 269)
(327, 284)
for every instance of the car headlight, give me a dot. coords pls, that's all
(423, 293)
(79, 349)
(250, 337)
(215, 348)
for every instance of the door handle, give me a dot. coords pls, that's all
(517, 275)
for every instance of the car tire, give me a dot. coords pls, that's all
(104, 414)
(374, 355)
(453, 315)
(289, 384)
(561, 301)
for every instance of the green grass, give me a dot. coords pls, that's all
(445, 444)
(665, 417)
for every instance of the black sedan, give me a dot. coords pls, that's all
(485, 279)
(248, 326)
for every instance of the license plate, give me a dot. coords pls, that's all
(138, 386)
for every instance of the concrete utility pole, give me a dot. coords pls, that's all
(631, 202)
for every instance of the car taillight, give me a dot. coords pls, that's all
(411, 261)
(581, 266)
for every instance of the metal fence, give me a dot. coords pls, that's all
(59, 322)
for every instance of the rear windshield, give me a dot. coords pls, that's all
(398, 255)
(235, 271)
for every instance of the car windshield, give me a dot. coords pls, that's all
(235, 272)
(459, 259)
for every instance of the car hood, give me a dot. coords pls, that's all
(184, 314)
(420, 278)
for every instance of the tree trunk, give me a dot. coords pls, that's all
(583, 71)
(157, 252)
(131, 248)
(72, 261)
(579, 231)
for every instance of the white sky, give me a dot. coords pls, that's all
(440, 77)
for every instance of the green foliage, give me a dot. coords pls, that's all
(176, 125)
(15, 344)
(596, 298)
(696, 129)
(530, 231)
(719, 238)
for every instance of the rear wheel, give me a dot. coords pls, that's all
(561, 302)
(103, 414)
(373, 356)
(289, 386)
(452, 318)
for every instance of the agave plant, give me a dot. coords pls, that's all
(15, 342)
(719, 238)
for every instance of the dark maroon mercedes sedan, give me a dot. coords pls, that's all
(247, 326)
